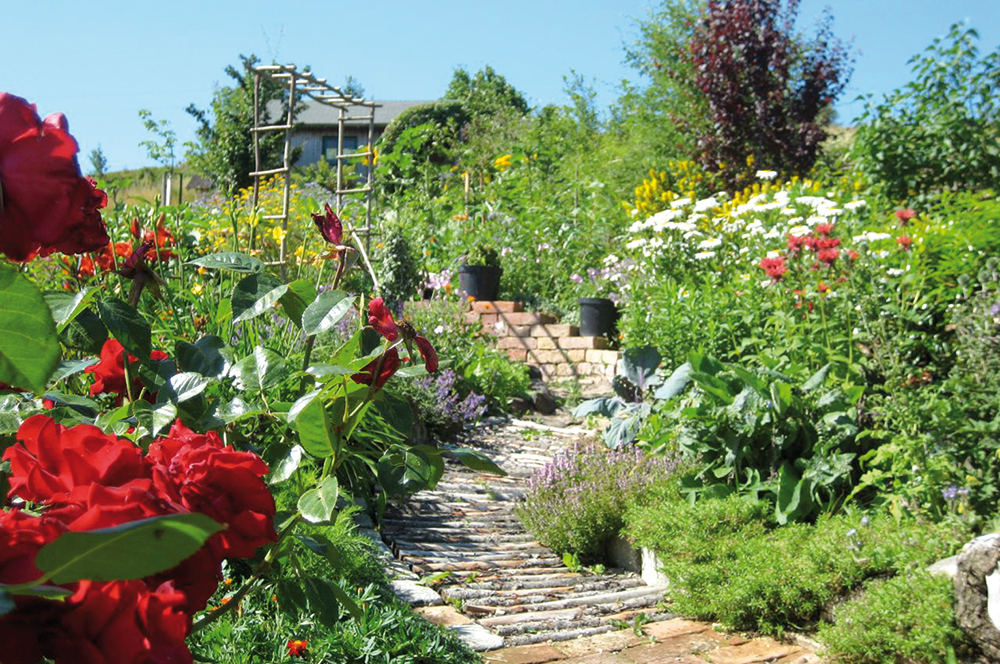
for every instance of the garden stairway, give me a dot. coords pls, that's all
(462, 558)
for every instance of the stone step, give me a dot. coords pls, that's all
(496, 306)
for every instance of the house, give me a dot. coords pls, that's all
(316, 128)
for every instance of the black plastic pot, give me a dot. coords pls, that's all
(481, 282)
(598, 316)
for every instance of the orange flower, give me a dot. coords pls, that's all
(297, 647)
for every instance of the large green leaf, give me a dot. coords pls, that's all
(285, 468)
(476, 460)
(127, 326)
(318, 504)
(816, 379)
(132, 550)
(406, 470)
(66, 307)
(86, 332)
(794, 495)
(183, 386)
(255, 295)
(326, 311)
(29, 344)
(300, 294)
(261, 371)
(70, 367)
(316, 433)
(207, 356)
(229, 260)
(674, 385)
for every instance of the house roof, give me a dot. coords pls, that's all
(319, 115)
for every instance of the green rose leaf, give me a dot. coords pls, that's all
(287, 466)
(316, 433)
(29, 343)
(183, 386)
(318, 505)
(66, 307)
(300, 295)
(255, 295)
(261, 371)
(229, 260)
(132, 550)
(207, 356)
(326, 311)
(127, 326)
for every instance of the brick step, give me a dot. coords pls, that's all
(512, 320)
(496, 306)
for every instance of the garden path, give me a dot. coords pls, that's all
(483, 576)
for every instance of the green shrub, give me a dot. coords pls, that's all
(727, 564)
(906, 618)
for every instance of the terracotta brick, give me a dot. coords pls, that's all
(489, 319)
(528, 318)
(492, 307)
(555, 331)
(524, 343)
(471, 317)
(517, 355)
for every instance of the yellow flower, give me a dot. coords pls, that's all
(197, 289)
(278, 233)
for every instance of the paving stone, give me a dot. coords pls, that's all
(415, 594)
(752, 652)
(677, 646)
(477, 637)
(677, 627)
(800, 658)
(609, 641)
(445, 615)
(533, 654)
(597, 658)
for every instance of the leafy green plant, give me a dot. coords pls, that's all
(906, 618)
(938, 131)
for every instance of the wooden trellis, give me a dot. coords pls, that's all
(304, 84)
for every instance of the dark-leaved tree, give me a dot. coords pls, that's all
(765, 89)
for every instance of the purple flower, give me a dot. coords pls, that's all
(576, 278)
(950, 493)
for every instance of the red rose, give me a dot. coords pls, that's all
(97, 506)
(390, 363)
(46, 205)
(21, 536)
(52, 460)
(109, 373)
(380, 318)
(121, 622)
(205, 476)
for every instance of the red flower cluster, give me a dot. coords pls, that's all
(822, 245)
(775, 267)
(380, 318)
(85, 479)
(904, 216)
(109, 373)
(904, 242)
(46, 205)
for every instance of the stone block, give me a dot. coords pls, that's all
(555, 331)
(565, 370)
(667, 629)
(603, 356)
(471, 318)
(518, 330)
(576, 354)
(477, 637)
(584, 368)
(549, 356)
(488, 319)
(583, 342)
(517, 354)
(492, 307)
(754, 652)
(528, 318)
(446, 616)
(415, 594)
(520, 343)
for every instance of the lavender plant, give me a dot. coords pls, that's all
(442, 404)
(576, 502)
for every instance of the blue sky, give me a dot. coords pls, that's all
(100, 62)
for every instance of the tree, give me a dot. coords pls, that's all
(352, 87)
(98, 162)
(752, 91)
(486, 93)
(941, 130)
(161, 150)
(224, 146)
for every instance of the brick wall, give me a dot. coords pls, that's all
(538, 339)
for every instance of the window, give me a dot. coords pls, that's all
(330, 147)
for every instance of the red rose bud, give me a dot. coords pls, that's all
(380, 318)
(390, 363)
(46, 205)
(329, 226)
